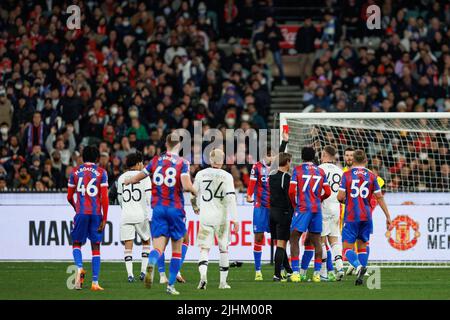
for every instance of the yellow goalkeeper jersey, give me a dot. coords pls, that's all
(380, 181)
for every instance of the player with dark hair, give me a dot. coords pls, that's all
(134, 201)
(356, 189)
(170, 175)
(305, 192)
(90, 182)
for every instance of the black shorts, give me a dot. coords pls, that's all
(280, 223)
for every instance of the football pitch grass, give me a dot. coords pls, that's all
(47, 280)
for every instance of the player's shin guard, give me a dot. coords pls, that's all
(336, 249)
(162, 263)
(329, 259)
(153, 256)
(306, 258)
(257, 252)
(224, 265)
(128, 257)
(77, 257)
(95, 265)
(352, 258)
(363, 257)
(144, 255)
(174, 267)
(203, 264)
(295, 264)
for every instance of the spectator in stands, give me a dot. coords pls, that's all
(305, 46)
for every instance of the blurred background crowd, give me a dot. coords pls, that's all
(138, 69)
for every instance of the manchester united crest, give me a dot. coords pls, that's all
(403, 233)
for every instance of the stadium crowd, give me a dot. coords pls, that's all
(138, 69)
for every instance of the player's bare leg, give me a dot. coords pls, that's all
(336, 249)
(257, 252)
(128, 257)
(362, 257)
(144, 261)
(159, 246)
(95, 266)
(295, 251)
(174, 267)
(203, 268)
(184, 248)
(315, 239)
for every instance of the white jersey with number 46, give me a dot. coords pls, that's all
(213, 185)
(331, 206)
(134, 198)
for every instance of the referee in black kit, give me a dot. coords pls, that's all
(281, 214)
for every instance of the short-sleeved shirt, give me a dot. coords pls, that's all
(87, 179)
(260, 174)
(359, 184)
(165, 172)
(309, 179)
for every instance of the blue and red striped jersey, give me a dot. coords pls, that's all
(165, 171)
(88, 178)
(359, 184)
(260, 174)
(310, 180)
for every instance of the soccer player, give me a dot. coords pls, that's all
(170, 176)
(331, 210)
(258, 192)
(134, 199)
(356, 189)
(90, 183)
(305, 192)
(216, 199)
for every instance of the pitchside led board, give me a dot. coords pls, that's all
(419, 232)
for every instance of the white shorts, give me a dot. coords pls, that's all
(207, 234)
(330, 226)
(128, 231)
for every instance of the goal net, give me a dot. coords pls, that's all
(410, 152)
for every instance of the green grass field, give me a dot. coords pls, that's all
(44, 280)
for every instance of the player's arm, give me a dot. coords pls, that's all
(194, 198)
(104, 200)
(120, 191)
(382, 203)
(252, 184)
(284, 142)
(71, 190)
(341, 193)
(186, 181)
(230, 198)
(293, 192)
(136, 178)
(148, 190)
(326, 187)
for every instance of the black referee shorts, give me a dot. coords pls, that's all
(280, 224)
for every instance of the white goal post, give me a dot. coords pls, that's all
(410, 151)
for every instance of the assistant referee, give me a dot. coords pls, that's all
(281, 213)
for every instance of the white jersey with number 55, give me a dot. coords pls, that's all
(213, 186)
(331, 206)
(134, 199)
